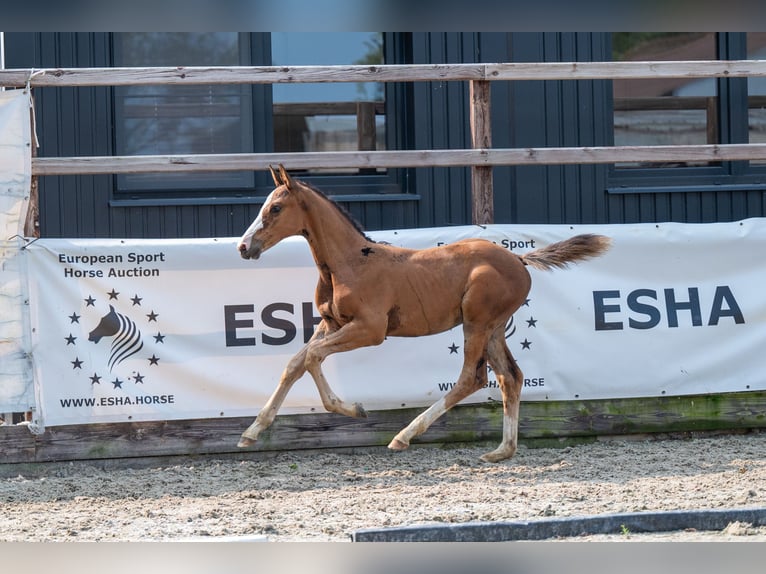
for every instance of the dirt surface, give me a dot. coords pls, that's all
(325, 496)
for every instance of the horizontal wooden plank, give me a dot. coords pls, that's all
(389, 159)
(182, 108)
(238, 75)
(324, 108)
(59, 77)
(625, 70)
(552, 420)
(663, 103)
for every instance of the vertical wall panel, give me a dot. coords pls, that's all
(559, 113)
(441, 122)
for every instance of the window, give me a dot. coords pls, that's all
(756, 91)
(165, 119)
(328, 117)
(686, 111)
(211, 119)
(664, 111)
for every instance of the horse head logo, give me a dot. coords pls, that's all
(108, 326)
(127, 337)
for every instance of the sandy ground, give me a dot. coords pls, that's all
(325, 496)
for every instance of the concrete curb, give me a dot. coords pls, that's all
(546, 528)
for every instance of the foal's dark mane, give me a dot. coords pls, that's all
(342, 210)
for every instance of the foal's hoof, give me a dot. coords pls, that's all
(497, 455)
(396, 444)
(245, 442)
(489, 457)
(360, 412)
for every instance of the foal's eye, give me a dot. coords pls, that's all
(275, 209)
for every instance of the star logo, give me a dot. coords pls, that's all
(511, 329)
(526, 344)
(123, 338)
(521, 335)
(521, 328)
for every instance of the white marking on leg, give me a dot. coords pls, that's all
(507, 447)
(510, 428)
(421, 423)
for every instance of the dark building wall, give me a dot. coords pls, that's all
(557, 114)
(79, 122)
(430, 115)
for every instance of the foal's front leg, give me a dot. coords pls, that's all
(293, 371)
(358, 333)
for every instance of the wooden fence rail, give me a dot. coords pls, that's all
(390, 159)
(481, 158)
(71, 77)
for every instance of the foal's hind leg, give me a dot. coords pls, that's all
(473, 377)
(510, 379)
(293, 371)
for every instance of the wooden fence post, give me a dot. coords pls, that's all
(481, 137)
(365, 125)
(31, 223)
(366, 131)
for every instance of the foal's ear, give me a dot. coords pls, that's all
(275, 177)
(285, 178)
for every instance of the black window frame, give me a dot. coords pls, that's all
(349, 187)
(732, 112)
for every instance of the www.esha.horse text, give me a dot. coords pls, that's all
(130, 265)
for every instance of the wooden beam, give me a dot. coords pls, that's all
(70, 77)
(32, 217)
(482, 198)
(390, 159)
(540, 421)
(366, 129)
(74, 77)
(324, 108)
(625, 70)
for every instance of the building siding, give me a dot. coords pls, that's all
(78, 122)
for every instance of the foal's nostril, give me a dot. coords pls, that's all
(242, 247)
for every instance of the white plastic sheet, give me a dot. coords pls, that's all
(16, 389)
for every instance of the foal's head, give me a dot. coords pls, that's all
(279, 217)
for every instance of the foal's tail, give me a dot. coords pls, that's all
(572, 250)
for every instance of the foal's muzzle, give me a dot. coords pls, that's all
(254, 252)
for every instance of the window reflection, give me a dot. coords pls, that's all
(328, 117)
(166, 119)
(219, 119)
(664, 111)
(756, 90)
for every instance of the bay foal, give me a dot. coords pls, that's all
(368, 291)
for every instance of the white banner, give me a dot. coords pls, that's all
(174, 329)
(16, 388)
